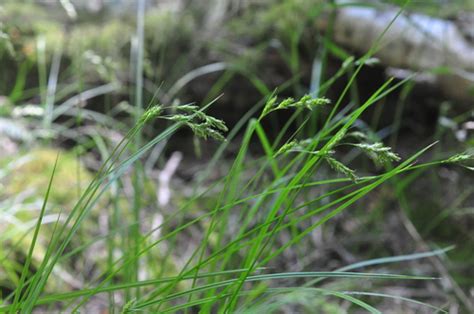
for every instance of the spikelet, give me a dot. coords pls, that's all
(379, 153)
(201, 124)
(287, 147)
(458, 158)
(150, 114)
(341, 168)
(306, 102)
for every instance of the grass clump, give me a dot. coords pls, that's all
(242, 253)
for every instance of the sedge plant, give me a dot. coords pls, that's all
(232, 265)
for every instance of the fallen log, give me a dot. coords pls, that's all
(443, 50)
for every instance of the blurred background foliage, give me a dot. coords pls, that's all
(194, 52)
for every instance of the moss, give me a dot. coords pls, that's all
(24, 22)
(166, 36)
(109, 39)
(274, 19)
(30, 177)
(6, 106)
(69, 179)
(97, 50)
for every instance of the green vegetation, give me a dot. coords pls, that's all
(300, 203)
